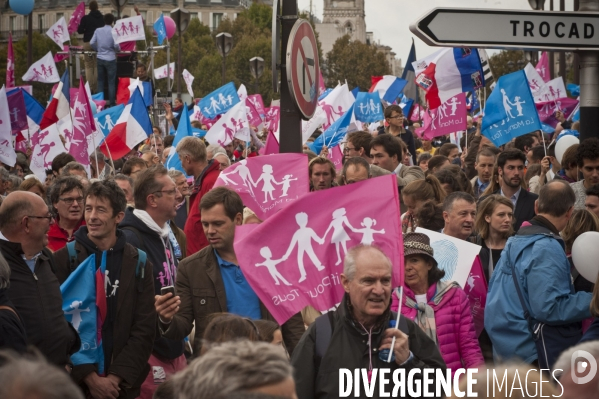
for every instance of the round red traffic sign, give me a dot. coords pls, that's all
(303, 68)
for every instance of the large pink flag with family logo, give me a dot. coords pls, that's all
(295, 258)
(448, 118)
(268, 183)
(547, 110)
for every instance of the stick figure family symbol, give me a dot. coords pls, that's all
(507, 107)
(304, 235)
(368, 107)
(267, 178)
(215, 105)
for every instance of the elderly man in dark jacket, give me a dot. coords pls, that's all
(34, 289)
(352, 336)
(130, 325)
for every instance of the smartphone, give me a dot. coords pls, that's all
(169, 288)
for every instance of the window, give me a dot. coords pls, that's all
(12, 23)
(59, 15)
(41, 21)
(144, 16)
(216, 19)
(216, 1)
(348, 28)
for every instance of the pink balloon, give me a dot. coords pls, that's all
(171, 27)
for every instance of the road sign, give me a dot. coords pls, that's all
(535, 30)
(303, 68)
(276, 44)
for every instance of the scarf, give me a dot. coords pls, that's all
(148, 221)
(426, 315)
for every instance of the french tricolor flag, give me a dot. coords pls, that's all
(132, 127)
(389, 87)
(126, 88)
(57, 109)
(447, 73)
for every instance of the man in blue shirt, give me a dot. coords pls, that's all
(210, 281)
(485, 161)
(104, 44)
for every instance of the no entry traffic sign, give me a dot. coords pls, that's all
(303, 68)
(458, 27)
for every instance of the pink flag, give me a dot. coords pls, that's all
(256, 100)
(449, 117)
(476, 291)
(76, 18)
(10, 64)
(543, 67)
(62, 57)
(17, 110)
(547, 110)
(298, 258)
(417, 113)
(82, 127)
(336, 156)
(253, 115)
(272, 119)
(267, 184)
(321, 86)
(271, 146)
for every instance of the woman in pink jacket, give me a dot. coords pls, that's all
(441, 309)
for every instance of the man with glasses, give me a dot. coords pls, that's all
(66, 196)
(129, 328)
(147, 227)
(395, 118)
(34, 289)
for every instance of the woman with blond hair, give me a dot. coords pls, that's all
(415, 194)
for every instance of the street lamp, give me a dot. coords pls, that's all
(224, 42)
(181, 17)
(257, 69)
(537, 4)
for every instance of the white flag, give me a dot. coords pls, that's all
(161, 73)
(232, 124)
(535, 81)
(196, 115)
(43, 71)
(242, 92)
(46, 145)
(129, 29)
(331, 108)
(552, 90)
(59, 32)
(7, 150)
(188, 78)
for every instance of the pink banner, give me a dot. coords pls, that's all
(252, 113)
(10, 64)
(476, 291)
(543, 67)
(77, 138)
(547, 110)
(448, 118)
(76, 18)
(272, 118)
(336, 156)
(298, 258)
(271, 146)
(256, 100)
(268, 183)
(417, 113)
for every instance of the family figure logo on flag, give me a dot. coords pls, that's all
(59, 32)
(368, 107)
(510, 110)
(43, 71)
(219, 101)
(162, 72)
(267, 183)
(301, 263)
(232, 124)
(128, 29)
(450, 117)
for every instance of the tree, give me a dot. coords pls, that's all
(355, 62)
(507, 61)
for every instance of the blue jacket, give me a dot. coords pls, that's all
(543, 272)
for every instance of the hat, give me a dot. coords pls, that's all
(418, 244)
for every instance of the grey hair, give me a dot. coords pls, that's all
(4, 273)
(26, 377)
(73, 165)
(349, 263)
(215, 149)
(232, 367)
(4, 175)
(564, 362)
(225, 155)
(174, 173)
(121, 176)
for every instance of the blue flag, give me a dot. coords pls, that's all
(106, 119)
(355, 91)
(79, 307)
(574, 89)
(410, 89)
(66, 85)
(98, 97)
(219, 101)
(323, 95)
(406, 105)
(510, 110)
(368, 107)
(34, 109)
(199, 133)
(335, 134)
(160, 28)
(183, 130)
(474, 103)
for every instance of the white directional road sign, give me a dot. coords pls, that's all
(456, 27)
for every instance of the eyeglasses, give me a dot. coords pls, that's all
(168, 192)
(396, 116)
(348, 149)
(69, 201)
(49, 217)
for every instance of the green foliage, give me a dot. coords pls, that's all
(355, 62)
(499, 62)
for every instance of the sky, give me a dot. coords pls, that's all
(390, 20)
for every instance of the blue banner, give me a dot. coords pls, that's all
(160, 28)
(183, 130)
(368, 107)
(510, 110)
(106, 119)
(219, 101)
(335, 134)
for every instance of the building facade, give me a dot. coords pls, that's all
(47, 12)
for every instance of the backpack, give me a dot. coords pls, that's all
(324, 326)
(140, 268)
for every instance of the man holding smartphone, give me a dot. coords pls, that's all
(147, 227)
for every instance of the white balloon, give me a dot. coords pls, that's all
(585, 255)
(563, 144)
